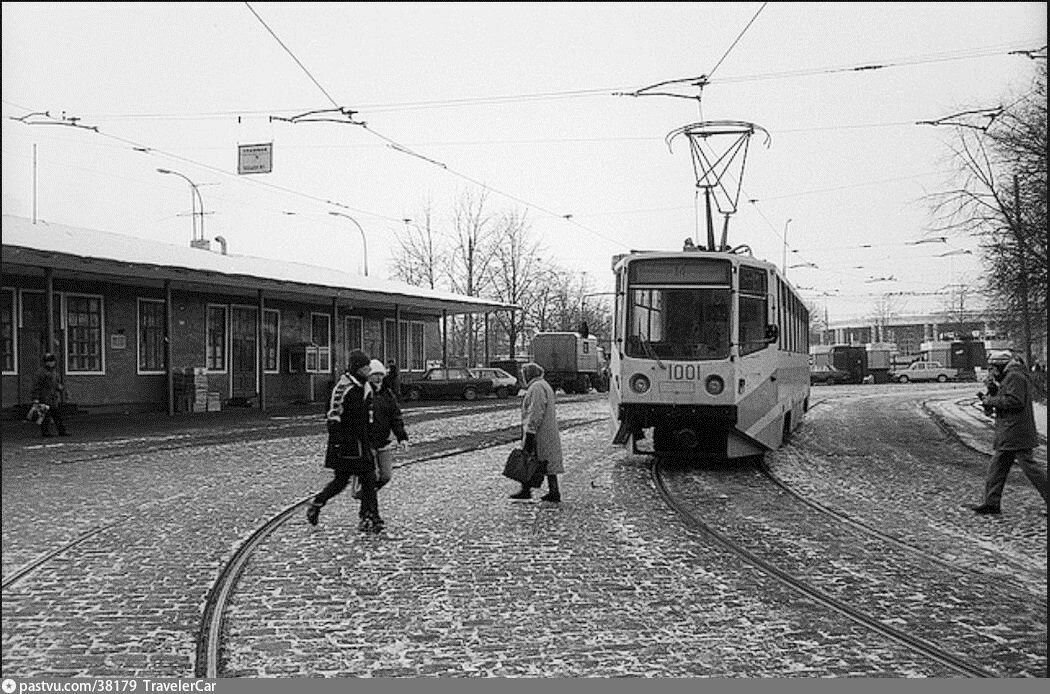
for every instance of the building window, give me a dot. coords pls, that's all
(418, 361)
(216, 338)
(320, 335)
(355, 333)
(7, 330)
(84, 331)
(411, 351)
(151, 336)
(271, 331)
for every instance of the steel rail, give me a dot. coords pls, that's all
(209, 644)
(919, 645)
(875, 532)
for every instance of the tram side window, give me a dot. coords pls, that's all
(753, 310)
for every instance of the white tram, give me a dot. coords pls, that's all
(709, 353)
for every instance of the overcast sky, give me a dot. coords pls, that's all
(520, 98)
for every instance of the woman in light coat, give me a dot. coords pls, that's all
(539, 424)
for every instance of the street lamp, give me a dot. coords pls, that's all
(195, 197)
(364, 241)
(784, 258)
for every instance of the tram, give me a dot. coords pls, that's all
(710, 354)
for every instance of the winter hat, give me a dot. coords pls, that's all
(530, 371)
(358, 359)
(376, 367)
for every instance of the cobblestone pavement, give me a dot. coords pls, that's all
(464, 582)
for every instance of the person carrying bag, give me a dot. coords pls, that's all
(539, 424)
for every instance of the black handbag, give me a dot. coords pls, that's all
(525, 468)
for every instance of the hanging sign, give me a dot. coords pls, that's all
(253, 159)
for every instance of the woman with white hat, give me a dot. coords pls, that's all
(386, 421)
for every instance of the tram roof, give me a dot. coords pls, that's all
(82, 254)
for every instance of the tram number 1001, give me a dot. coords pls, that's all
(685, 372)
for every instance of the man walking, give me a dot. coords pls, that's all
(1015, 433)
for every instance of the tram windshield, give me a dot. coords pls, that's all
(679, 323)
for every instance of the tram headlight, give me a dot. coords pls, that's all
(714, 385)
(640, 383)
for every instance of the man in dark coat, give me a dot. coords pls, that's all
(47, 390)
(349, 451)
(1015, 434)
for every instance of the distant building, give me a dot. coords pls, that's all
(908, 332)
(140, 325)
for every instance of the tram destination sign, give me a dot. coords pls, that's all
(255, 159)
(680, 271)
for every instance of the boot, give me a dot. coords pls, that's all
(553, 494)
(525, 493)
(313, 512)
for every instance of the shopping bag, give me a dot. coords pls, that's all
(524, 468)
(37, 413)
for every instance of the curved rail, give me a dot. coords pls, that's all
(917, 644)
(875, 532)
(209, 644)
(23, 571)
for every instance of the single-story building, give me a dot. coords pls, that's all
(139, 325)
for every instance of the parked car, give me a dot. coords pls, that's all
(924, 371)
(447, 383)
(505, 385)
(828, 375)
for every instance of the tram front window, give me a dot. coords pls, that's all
(691, 324)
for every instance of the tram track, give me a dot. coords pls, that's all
(955, 662)
(29, 567)
(276, 427)
(209, 643)
(132, 446)
(919, 552)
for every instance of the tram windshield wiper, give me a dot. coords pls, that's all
(651, 352)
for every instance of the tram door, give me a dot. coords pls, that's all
(245, 353)
(32, 339)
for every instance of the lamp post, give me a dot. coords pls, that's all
(784, 258)
(195, 197)
(364, 241)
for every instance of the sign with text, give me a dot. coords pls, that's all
(252, 159)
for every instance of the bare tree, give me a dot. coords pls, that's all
(1001, 201)
(956, 317)
(885, 309)
(421, 252)
(516, 274)
(470, 272)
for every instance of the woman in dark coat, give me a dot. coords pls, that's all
(349, 451)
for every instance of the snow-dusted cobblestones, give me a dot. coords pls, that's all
(465, 582)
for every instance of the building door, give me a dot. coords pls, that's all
(244, 367)
(32, 340)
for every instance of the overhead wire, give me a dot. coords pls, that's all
(389, 107)
(736, 41)
(406, 150)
